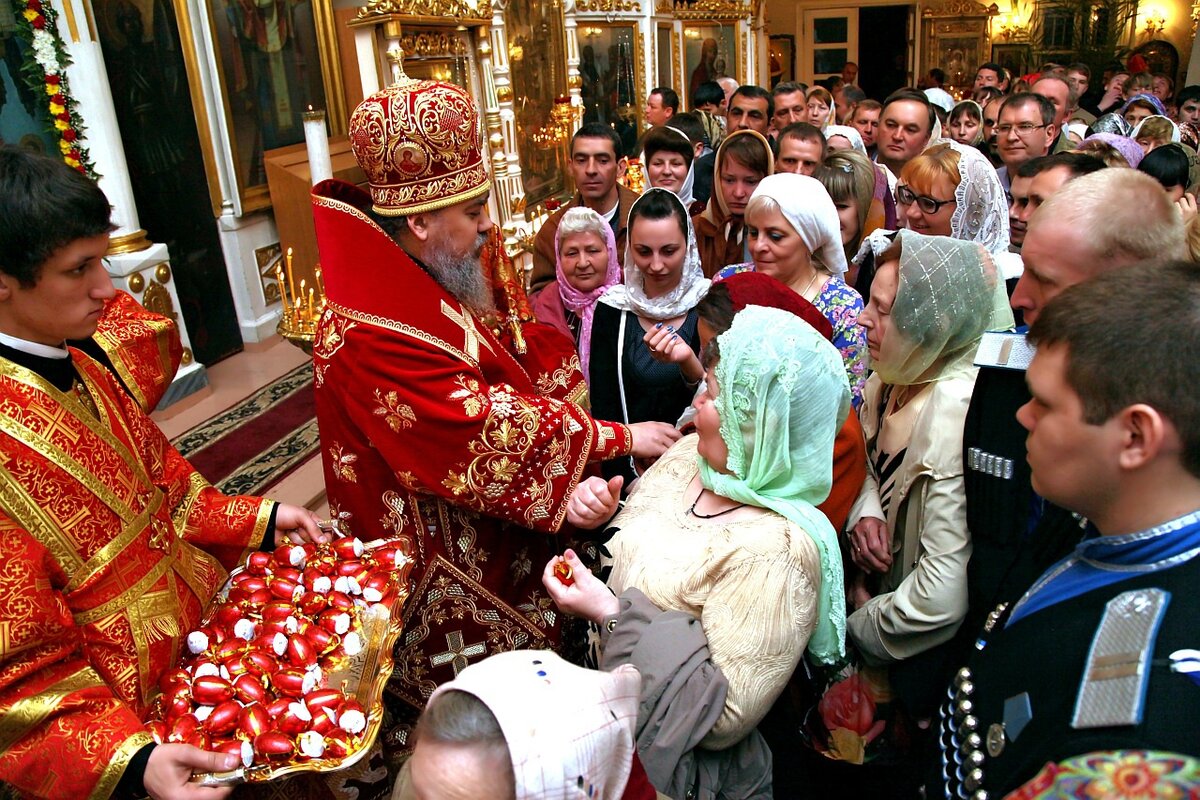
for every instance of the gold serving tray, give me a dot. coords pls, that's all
(362, 677)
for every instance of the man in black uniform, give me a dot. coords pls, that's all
(1094, 656)
(1095, 223)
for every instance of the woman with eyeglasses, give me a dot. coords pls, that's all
(949, 190)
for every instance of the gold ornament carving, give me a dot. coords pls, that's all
(129, 243)
(162, 273)
(504, 94)
(607, 6)
(708, 10)
(957, 8)
(158, 300)
(419, 10)
(136, 283)
(187, 356)
(432, 44)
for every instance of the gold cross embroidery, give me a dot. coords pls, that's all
(465, 321)
(606, 433)
(55, 422)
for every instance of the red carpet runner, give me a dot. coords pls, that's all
(258, 442)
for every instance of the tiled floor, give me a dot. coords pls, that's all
(238, 377)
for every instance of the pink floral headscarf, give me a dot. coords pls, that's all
(583, 304)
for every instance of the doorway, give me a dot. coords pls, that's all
(886, 60)
(145, 64)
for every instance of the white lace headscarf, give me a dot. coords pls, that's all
(948, 293)
(982, 211)
(631, 295)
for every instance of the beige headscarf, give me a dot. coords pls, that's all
(569, 730)
(949, 293)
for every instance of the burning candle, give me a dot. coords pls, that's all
(310, 305)
(316, 142)
(282, 288)
(291, 284)
(300, 299)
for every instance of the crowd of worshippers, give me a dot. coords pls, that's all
(884, 482)
(940, 361)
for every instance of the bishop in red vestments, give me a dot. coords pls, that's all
(431, 426)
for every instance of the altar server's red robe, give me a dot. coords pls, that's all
(430, 428)
(110, 547)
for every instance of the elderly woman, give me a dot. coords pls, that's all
(585, 268)
(933, 299)
(742, 160)
(1113, 149)
(526, 725)
(795, 237)
(644, 361)
(722, 516)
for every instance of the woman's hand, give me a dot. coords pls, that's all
(586, 597)
(666, 346)
(871, 545)
(297, 525)
(594, 501)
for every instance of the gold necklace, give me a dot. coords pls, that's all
(811, 281)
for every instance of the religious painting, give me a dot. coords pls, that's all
(782, 58)
(709, 52)
(1013, 57)
(24, 117)
(665, 60)
(610, 66)
(1161, 58)
(537, 58)
(270, 58)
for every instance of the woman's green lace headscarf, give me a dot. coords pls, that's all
(782, 397)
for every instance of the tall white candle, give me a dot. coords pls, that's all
(316, 141)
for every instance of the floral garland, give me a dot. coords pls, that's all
(46, 70)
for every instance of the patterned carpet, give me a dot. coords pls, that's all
(250, 447)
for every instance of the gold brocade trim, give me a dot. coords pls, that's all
(93, 423)
(104, 556)
(116, 354)
(129, 595)
(260, 527)
(346, 208)
(400, 327)
(196, 484)
(29, 712)
(23, 509)
(153, 617)
(128, 243)
(60, 459)
(115, 414)
(115, 769)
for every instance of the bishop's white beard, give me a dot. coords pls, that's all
(462, 276)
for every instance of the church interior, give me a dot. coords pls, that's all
(207, 124)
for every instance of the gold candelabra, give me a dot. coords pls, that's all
(302, 305)
(562, 122)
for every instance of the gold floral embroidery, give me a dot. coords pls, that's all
(330, 338)
(398, 416)
(468, 393)
(341, 519)
(342, 463)
(408, 480)
(561, 378)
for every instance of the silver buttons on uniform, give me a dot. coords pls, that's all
(989, 464)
